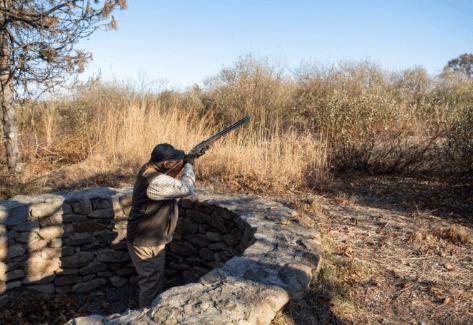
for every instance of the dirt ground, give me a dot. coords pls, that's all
(401, 249)
(397, 251)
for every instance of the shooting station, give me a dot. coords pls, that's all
(234, 258)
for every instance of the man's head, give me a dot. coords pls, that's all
(166, 152)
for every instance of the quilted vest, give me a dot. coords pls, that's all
(150, 223)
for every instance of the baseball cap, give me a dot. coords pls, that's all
(165, 151)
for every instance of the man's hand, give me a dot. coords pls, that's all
(193, 155)
(189, 159)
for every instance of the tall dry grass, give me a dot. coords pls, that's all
(353, 116)
(247, 155)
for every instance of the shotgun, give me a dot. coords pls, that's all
(205, 145)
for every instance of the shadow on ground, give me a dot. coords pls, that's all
(443, 197)
(314, 309)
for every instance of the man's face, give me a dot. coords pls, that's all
(175, 165)
(171, 163)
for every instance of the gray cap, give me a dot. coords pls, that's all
(165, 151)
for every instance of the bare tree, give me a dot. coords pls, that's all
(38, 50)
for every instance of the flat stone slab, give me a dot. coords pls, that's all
(18, 209)
(248, 289)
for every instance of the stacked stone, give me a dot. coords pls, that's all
(248, 289)
(58, 245)
(206, 237)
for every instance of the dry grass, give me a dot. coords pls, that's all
(457, 234)
(347, 117)
(118, 139)
(391, 257)
(246, 156)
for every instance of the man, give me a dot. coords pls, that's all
(154, 214)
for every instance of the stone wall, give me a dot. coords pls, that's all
(235, 259)
(76, 242)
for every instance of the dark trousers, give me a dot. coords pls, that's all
(149, 264)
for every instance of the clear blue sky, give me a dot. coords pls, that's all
(186, 41)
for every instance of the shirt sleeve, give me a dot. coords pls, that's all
(165, 187)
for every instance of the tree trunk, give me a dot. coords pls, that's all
(9, 129)
(8, 105)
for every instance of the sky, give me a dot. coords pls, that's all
(176, 44)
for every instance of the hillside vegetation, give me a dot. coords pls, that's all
(305, 127)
